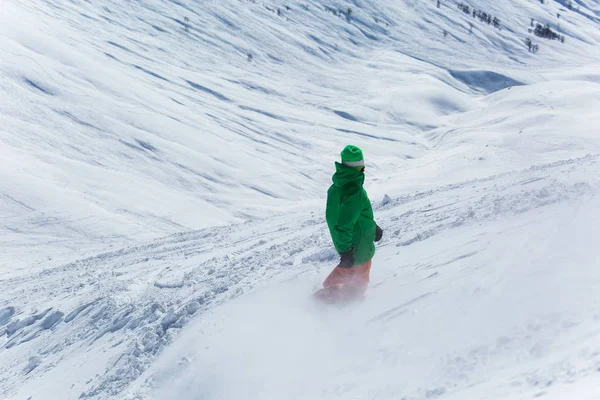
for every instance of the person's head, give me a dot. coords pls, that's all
(352, 156)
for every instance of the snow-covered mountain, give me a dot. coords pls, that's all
(163, 166)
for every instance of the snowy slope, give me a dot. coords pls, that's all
(458, 318)
(447, 301)
(125, 125)
(121, 123)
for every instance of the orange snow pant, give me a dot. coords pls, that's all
(346, 284)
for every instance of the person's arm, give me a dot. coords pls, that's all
(349, 213)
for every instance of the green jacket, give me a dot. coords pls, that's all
(349, 214)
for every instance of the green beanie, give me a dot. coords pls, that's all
(352, 156)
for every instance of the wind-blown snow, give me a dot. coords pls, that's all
(451, 313)
(162, 173)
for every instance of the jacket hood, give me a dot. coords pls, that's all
(345, 174)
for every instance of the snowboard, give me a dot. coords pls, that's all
(337, 294)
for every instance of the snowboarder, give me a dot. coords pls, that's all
(350, 220)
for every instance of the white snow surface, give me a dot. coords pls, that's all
(163, 167)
